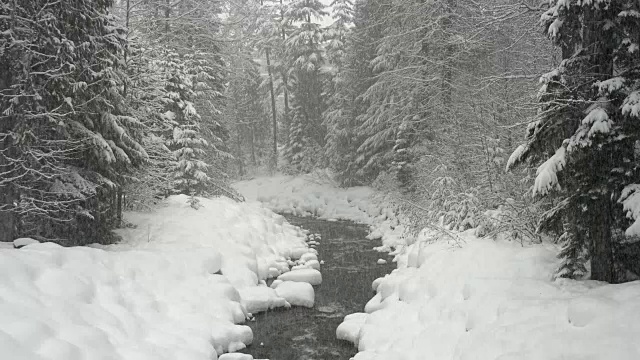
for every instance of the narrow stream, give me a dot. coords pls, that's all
(348, 270)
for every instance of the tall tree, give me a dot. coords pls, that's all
(586, 132)
(306, 58)
(66, 133)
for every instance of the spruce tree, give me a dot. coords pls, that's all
(306, 58)
(587, 127)
(66, 133)
(185, 138)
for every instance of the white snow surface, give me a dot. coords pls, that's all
(316, 194)
(296, 293)
(303, 275)
(492, 299)
(20, 242)
(349, 329)
(177, 287)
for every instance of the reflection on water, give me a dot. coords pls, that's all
(348, 270)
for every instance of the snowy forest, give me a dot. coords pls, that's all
(112, 105)
(170, 168)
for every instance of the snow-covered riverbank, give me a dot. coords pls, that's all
(317, 195)
(483, 299)
(463, 297)
(177, 287)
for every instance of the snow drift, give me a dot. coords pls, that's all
(176, 288)
(485, 299)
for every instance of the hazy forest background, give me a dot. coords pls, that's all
(112, 105)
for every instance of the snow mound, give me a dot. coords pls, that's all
(296, 293)
(21, 242)
(236, 356)
(486, 299)
(349, 329)
(311, 276)
(177, 287)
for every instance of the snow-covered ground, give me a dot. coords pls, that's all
(177, 287)
(317, 195)
(462, 297)
(484, 299)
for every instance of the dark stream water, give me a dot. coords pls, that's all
(348, 270)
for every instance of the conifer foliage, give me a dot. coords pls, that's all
(66, 134)
(305, 54)
(99, 112)
(586, 133)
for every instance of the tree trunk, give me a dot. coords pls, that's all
(285, 122)
(447, 62)
(167, 15)
(273, 111)
(601, 247)
(119, 201)
(240, 160)
(8, 219)
(599, 67)
(253, 145)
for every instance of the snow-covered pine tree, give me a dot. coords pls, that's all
(247, 109)
(144, 92)
(190, 31)
(306, 57)
(185, 139)
(338, 119)
(247, 116)
(394, 96)
(274, 29)
(65, 130)
(347, 107)
(207, 72)
(586, 131)
(336, 33)
(402, 158)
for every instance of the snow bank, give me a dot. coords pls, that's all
(484, 299)
(311, 276)
(176, 288)
(317, 195)
(349, 329)
(296, 293)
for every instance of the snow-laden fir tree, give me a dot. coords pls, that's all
(402, 158)
(336, 33)
(209, 81)
(144, 92)
(347, 106)
(273, 30)
(190, 32)
(248, 117)
(305, 54)
(339, 143)
(66, 134)
(185, 139)
(586, 133)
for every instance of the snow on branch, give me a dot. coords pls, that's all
(610, 85)
(630, 200)
(516, 157)
(547, 173)
(631, 105)
(599, 121)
